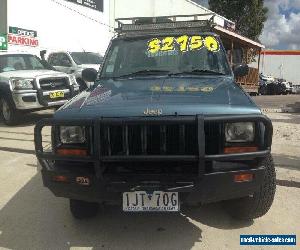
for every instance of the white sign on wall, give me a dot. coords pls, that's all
(93, 4)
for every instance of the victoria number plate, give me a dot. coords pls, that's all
(141, 201)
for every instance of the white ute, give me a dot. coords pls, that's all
(29, 84)
(74, 63)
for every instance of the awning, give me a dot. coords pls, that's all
(238, 38)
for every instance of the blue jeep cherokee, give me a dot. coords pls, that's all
(164, 124)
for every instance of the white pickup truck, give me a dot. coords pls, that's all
(74, 63)
(29, 84)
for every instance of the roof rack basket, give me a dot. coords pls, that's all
(137, 25)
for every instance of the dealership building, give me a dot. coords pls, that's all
(78, 25)
(33, 25)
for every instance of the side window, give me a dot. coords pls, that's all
(110, 68)
(52, 60)
(65, 60)
(59, 59)
(35, 63)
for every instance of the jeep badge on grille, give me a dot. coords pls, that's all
(156, 112)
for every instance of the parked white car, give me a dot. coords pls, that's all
(75, 63)
(288, 86)
(267, 78)
(29, 84)
(296, 89)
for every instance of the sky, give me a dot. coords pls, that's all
(282, 29)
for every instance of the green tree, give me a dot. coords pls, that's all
(248, 15)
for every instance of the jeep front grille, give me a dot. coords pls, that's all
(214, 137)
(149, 139)
(160, 139)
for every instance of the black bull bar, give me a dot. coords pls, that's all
(200, 120)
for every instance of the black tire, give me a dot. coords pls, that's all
(83, 209)
(9, 113)
(257, 205)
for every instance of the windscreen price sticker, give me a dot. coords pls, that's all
(3, 42)
(185, 43)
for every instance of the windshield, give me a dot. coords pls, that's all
(86, 58)
(185, 54)
(20, 62)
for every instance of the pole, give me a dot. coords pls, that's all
(3, 16)
(263, 63)
(3, 25)
(259, 55)
(231, 53)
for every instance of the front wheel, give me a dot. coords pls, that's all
(259, 203)
(83, 209)
(9, 114)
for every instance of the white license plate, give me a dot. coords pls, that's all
(158, 201)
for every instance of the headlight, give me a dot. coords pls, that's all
(72, 134)
(21, 83)
(239, 132)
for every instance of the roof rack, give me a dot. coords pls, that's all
(137, 25)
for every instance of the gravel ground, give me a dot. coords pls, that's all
(286, 146)
(278, 101)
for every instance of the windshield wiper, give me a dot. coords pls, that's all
(145, 72)
(198, 72)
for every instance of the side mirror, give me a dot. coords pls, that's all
(240, 70)
(89, 75)
(42, 54)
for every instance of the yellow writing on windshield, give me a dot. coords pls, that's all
(207, 89)
(182, 88)
(211, 43)
(183, 43)
(167, 88)
(154, 45)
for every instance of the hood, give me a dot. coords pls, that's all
(169, 95)
(31, 73)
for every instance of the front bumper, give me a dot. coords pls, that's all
(211, 187)
(33, 99)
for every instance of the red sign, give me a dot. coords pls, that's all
(23, 40)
